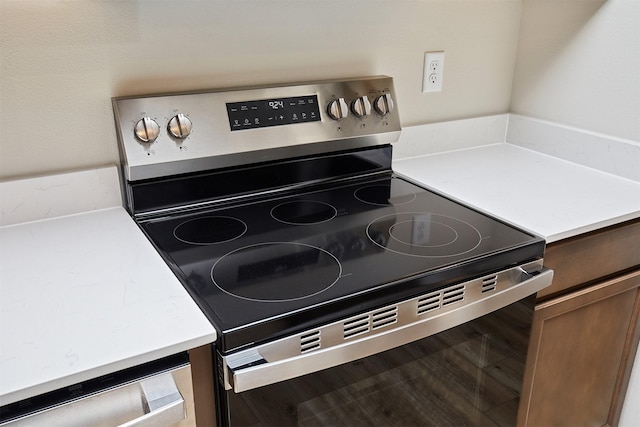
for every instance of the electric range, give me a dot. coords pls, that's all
(278, 210)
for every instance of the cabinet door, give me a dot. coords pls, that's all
(580, 355)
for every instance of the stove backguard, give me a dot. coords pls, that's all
(175, 134)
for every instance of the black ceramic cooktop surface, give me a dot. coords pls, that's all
(268, 268)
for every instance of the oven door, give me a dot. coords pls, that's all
(466, 375)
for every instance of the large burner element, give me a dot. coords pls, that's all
(276, 271)
(209, 230)
(424, 234)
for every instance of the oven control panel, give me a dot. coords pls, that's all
(171, 134)
(272, 112)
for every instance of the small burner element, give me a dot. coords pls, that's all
(424, 234)
(303, 212)
(276, 271)
(210, 230)
(382, 195)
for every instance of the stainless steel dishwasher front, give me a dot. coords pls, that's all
(162, 399)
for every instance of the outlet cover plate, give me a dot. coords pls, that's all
(433, 73)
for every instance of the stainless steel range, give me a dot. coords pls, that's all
(341, 293)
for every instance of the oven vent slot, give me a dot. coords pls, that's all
(356, 326)
(310, 341)
(453, 294)
(384, 317)
(489, 284)
(429, 302)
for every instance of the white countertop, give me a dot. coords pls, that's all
(83, 295)
(551, 197)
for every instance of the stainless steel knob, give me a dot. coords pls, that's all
(147, 130)
(179, 126)
(383, 104)
(338, 109)
(361, 106)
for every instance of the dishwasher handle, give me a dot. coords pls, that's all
(163, 401)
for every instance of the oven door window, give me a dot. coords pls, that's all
(470, 375)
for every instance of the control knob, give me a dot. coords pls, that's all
(338, 109)
(361, 106)
(147, 130)
(383, 104)
(179, 126)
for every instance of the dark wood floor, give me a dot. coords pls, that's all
(467, 376)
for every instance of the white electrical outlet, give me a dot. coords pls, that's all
(433, 71)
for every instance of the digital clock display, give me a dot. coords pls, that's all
(273, 112)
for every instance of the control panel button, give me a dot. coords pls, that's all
(383, 104)
(361, 106)
(338, 109)
(179, 126)
(147, 130)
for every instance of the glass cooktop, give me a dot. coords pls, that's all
(264, 269)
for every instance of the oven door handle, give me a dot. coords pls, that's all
(262, 366)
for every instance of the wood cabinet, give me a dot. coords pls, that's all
(585, 331)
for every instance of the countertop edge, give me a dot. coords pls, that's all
(98, 371)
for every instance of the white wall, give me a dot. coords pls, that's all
(62, 60)
(578, 64)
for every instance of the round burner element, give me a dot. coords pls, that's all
(209, 230)
(303, 212)
(423, 234)
(276, 271)
(382, 195)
